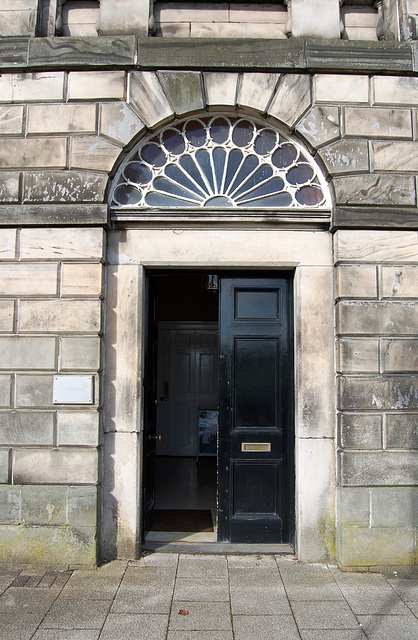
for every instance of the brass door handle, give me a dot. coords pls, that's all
(159, 438)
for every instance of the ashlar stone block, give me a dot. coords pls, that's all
(9, 504)
(7, 310)
(93, 153)
(315, 18)
(11, 120)
(27, 353)
(402, 430)
(50, 316)
(148, 98)
(382, 318)
(353, 506)
(5, 390)
(79, 353)
(400, 356)
(399, 282)
(394, 507)
(4, 465)
(360, 431)
(9, 187)
(377, 546)
(124, 17)
(8, 244)
(81, 279)
(356, 282)
(394, 156)
(26, 428)
(63, 186)
(292, 99)
(44, 505)
(32, 87)
(33, 391)
(393, 393)
(78, 428)
(221, 89)
(378, 123)
(358, 355)
(256, 90)
(376, 246)
(346, 156)
(119, 123)
(61, 118)
(53, 244)
(183, 90)
(82, 506)
(375, 189)
(341, 88)
(33, 153)
(17, 279)
(55, 466)
(320, 125)
(379, 468)
(395, 90)
(231, 30)
(96, 85)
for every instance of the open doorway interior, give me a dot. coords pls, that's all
(187, 407)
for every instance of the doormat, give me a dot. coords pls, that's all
(194, 520)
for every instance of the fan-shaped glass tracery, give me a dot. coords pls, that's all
(219, 162)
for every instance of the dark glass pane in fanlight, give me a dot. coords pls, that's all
(175, 173)
(265, 142)
(163, 184)
(219, 157)
(127, 194)
(309, 196)
(195, 133)
(279, 201)
(250, 163)
(300, 174)
(234, 160)
(174, 142)
(203, 160)
(243, 133)
(219, 130)
(154, 155)
(271, 187)
(262, 173)
(137, 172)
(189, 165)
(284, 156)
(154, 199)
(219, 201)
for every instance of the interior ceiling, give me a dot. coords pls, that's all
(183, 297)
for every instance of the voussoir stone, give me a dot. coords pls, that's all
(320, 125)
(292, 99)
(183, 90)
(148, 99)
(256, 90)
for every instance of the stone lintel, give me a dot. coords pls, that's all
(53, 215)
(374, 218)
(75, 52)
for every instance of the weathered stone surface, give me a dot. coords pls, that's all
(63, 186)
(383, 468)
(376, 246)
(78, 428)
(119, 123)
(44, 505)
(356, 282)
(395, 392)
(7, 309)
(316, 18)
(399, 282)
(353, 506)
(9, 187)
(79, 353)
(23, 279)
(378, 546)
(33, 391)
(55, 466)
(384, 318)
(30, 87)
(13, 52)
(378, 123)
(11, 119)
(400, 356)
(82, 506)
(395, 90)
(4, 466)
(81, 280)
(360, 431)
(148, 98)
(292, 99)
(402, 431)
(232, 30)
(50, 316)
(341, 88)
(34, 427)
(18, 23)
(346, 156)
(183, 90)
(57, 215)
(121, 17)
(5, 390)
(82, 52)
(8, 244)
(221, 89)
(96, 85)
(33, 153)
(363, 217)
(320, 125)
(375, 189)
(394, 156)
(27, 353)
(61, 118)
(9, 504)
(256, 90)
(52, 244)
(180, 12)
(93, 153)
(394, 507)
(262, 12)
(358, 355)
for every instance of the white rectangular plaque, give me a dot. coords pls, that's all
(73, 390)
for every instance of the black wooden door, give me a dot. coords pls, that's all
(150, 412)
(255, 472)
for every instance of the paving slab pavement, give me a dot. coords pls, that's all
(175, 596)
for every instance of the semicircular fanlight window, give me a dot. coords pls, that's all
(219, 162)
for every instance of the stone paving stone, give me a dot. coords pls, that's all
(202, 589)
(136, 600)
(259, 602)
(252, 578)
(76, 614)
(312, 591)
(92, 589)
(6, 579)
(323, 615)
(200, 635)
(372, 600)
(389, 627)
(156, 560)
(24, 630)
(70, 634)
(138, 626)
(332, 634)
(406, 588)
(203, 616)
(265, 628)
(202, 566)
(148, 577)
(27, 600)
(251, 562)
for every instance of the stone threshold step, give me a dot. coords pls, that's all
(216, 548)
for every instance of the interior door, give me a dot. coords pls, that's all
(255, 446)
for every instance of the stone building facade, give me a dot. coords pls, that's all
(83, 85)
